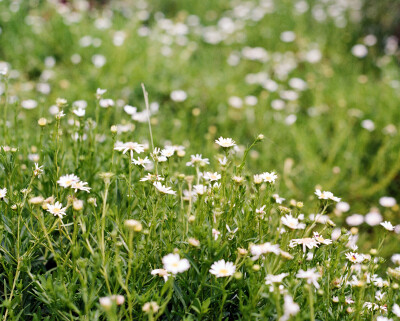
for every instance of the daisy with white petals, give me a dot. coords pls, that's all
(311, 275)
(174, 264)
(387, 225)
(3, 192)
(225, 142)
(222, 268)
(326, 195)
(164, 189)
(56, 209)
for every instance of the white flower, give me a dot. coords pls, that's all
(355, 257)
(396, 259)
(355, 219)
(387, 225)
(215, 233)
(373, 218)
(261, 210)
(163, 189)
(305, 242)
(271, 278)
(168, 152)
(56, 209)
(67, 180)
(38, 170)
(212, 176)
(290, 308)
(174, 264)
(278, 199)
(141, 161)
(396, 309)
(292, 222)
(80, 186)
(80, 112)
(100, 92)
(3, 192)
(359, 51)
(152, 178)
(269, 177)
(225, 142)
(320, 239)
(342, 206)
(223, 161)
(222, 268)
(310, 275)
(261, 249)
(198, 160)
(326, 195)
(161, 272)
(387, 201)
(29, 104)
(129, 146)
(200, 189)
(178, 95)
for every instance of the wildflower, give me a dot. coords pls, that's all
(290, 308)
(174, 264)
(106, 303)
(223, 161)
(80, 186)
(161, 272)
(270, 278)
(292, 222)
(261, 210)
(194, 242)
(238, 179)
(67, 180)
(38, 170)
(326, 195)
(387, 225)
(198, 160)
(150, 307)
(178, 95)
(100, 92)
(387, 201)
(225, 142)
(163, 189)
(37, 200)
(56, 209)
(396, 309)
(215, 234)
(258, 179)
(3, 193)
(222, 268)
(141, 161)
(133, 225)
(373, 218)
(42, 122)
(305, 242)
(212, 176)
(80, 112)
(318, 237)
(77, 205)
(200, 189)
(355, 257)
(310, 275)
(168, 152)
(269, 177)
(261, 249)
(278, 200)
(129, 146)
(152, 178)
(355, 220)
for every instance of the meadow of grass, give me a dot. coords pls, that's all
(172, 160)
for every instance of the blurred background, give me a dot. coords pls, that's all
(319, 78)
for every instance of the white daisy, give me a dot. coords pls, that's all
(56, 209)
(354, 257)
(225, 142)
(271, 278)
(292, 222)
(80, 186)
(222, 268)
(305, 242)
(310, 275)
(129, 146)
(269, 177)
(387, 225)
(141, 161)
(3, 192)
(163, 189)
(212, 176)
(161, 272)
(174, 264)
(67, 180)
(326, 195)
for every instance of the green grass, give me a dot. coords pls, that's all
(58, 269)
